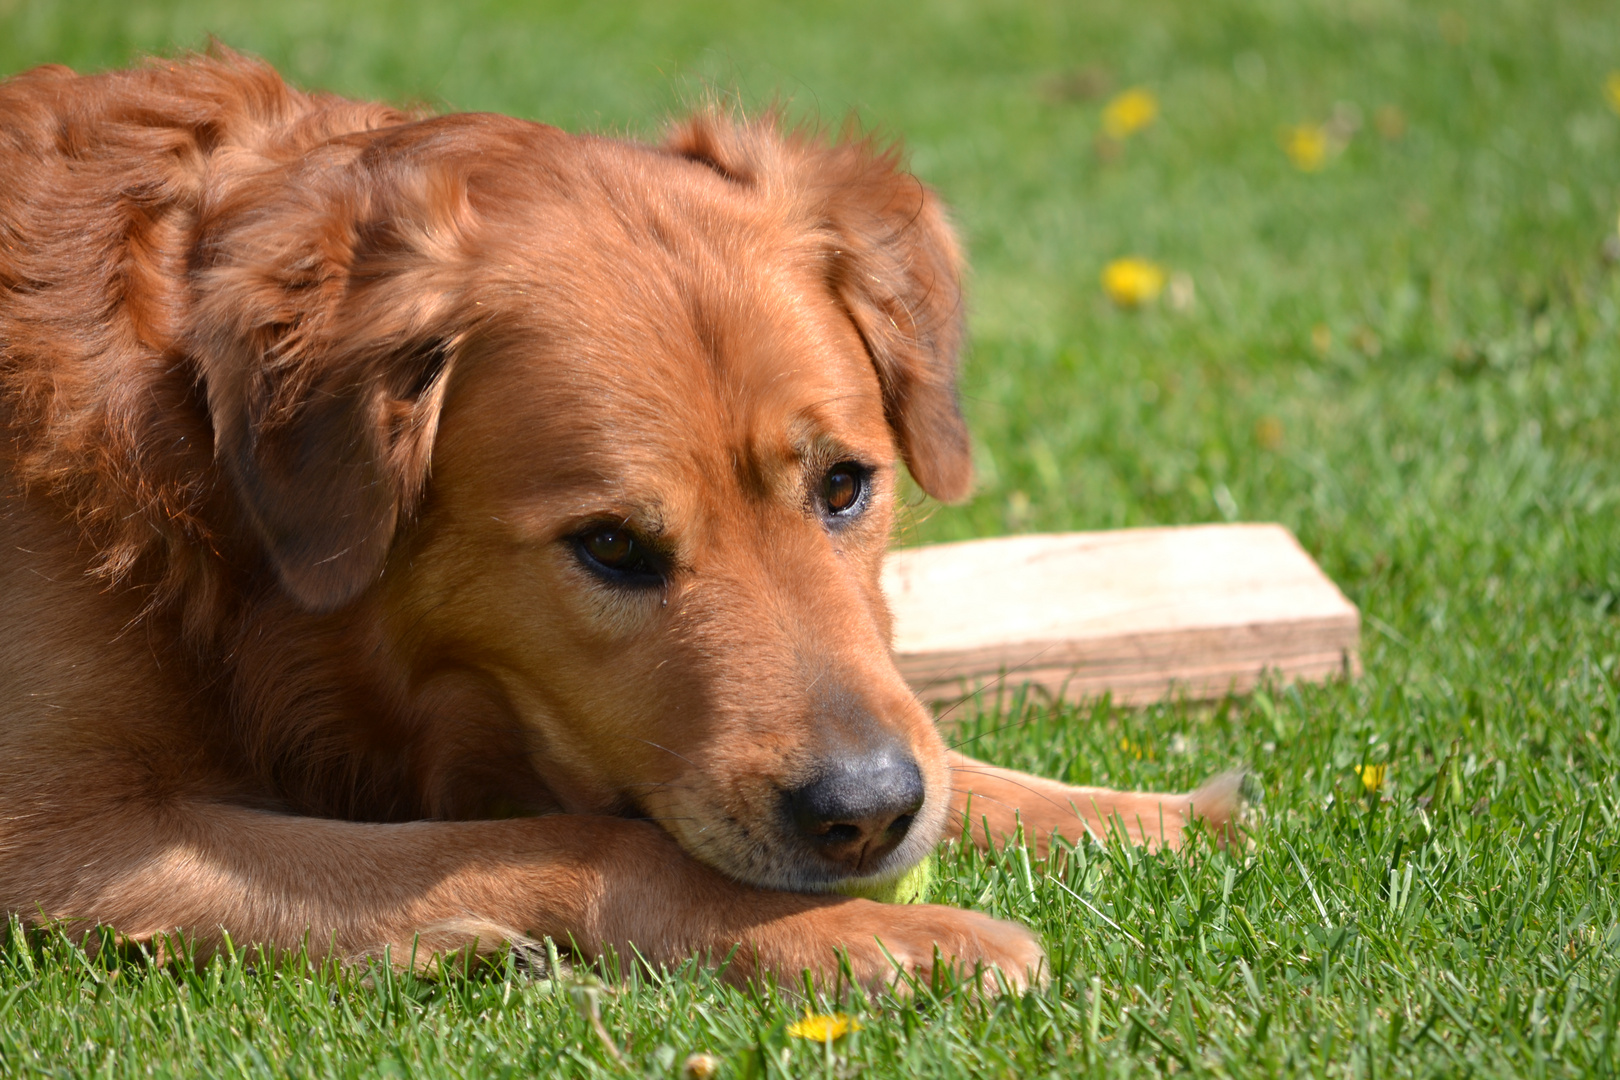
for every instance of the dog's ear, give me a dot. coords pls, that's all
(325, 332)
(898, 270)
(893, 262)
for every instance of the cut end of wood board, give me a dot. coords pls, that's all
(1141, 614)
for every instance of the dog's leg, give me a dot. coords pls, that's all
(352, 890)
(996, 801)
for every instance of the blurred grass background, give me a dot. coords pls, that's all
(1411, 356)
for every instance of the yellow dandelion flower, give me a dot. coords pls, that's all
(1129, 113)
(1306, 146)
(1132, 282)
(823, 1027)
(1372, 776)
(1611, 90)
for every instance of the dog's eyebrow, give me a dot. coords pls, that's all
(647, 517)
(822, 448)
(545, 520)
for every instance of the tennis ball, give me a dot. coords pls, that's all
(910, 887)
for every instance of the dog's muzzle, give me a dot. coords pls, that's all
(858, 809)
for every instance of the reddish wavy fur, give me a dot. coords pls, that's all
(303, 400)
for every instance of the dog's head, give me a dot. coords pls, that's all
(663, 392)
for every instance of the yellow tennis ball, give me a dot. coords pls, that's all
(910, 887)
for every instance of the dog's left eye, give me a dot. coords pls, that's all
(843, 489)
(619, 555)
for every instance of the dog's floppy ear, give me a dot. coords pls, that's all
(893, 262)
(898, 269)
(325, 331)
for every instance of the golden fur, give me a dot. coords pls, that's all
(306, 406)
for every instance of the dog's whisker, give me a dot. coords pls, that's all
(1020, 722)
(656, 785)
(996, 682)
(979, 796)
(665, 749)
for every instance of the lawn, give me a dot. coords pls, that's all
(1409, 354)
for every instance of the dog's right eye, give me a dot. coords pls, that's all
(844, 489)
(617, 554)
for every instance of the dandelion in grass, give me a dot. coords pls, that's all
(1306, 146)
(1611, 90)
(1129, 113)
(823, 1027)
(1132, 282)
(1136, 749)
(1372, 777)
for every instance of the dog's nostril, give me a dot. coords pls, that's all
(859, 808)
(840, 834)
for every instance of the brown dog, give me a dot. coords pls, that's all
(428, 531)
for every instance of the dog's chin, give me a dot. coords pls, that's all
(893, 866)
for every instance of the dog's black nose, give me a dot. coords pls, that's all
(859, 808)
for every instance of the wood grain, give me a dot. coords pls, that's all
(1199, 611)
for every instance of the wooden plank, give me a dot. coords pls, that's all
(1198, 610)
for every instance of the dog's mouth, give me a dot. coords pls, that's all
(855, 822)
(875, 877)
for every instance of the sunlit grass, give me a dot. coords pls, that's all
(1410, 355)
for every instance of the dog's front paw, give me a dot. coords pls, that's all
(1223, 804)
(888, 944)
(997, 804)
(1043, 809)
(1154, 821)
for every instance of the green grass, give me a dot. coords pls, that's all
(1411, 358)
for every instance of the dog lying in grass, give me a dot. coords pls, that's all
(424, 533)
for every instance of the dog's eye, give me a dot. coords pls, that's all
(843, 490)
(618, 554)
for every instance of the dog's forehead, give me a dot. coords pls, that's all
(673, 326)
